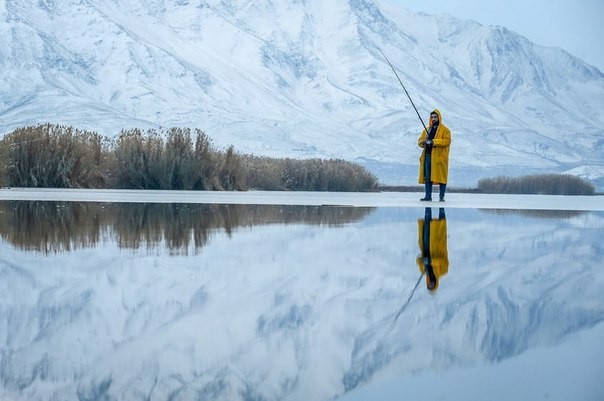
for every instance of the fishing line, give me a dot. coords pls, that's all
(405, 89)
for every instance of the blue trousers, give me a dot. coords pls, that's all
(428, 179)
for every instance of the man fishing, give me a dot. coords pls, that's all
(436, 140)
(434, 160)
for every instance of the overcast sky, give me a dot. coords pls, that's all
(576, 26)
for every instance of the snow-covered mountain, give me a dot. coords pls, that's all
(304, 79)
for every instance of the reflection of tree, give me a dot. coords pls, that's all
(64, 226)
(50, 226)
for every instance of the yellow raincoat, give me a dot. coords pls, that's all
(440, 152)
(438, 248)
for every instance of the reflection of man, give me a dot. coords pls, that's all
(434, 258)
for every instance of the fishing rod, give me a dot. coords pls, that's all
(406, 303)
(405, 89)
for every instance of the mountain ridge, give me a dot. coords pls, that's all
(305, 79)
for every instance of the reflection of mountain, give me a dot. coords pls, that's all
(486, 328)
(290, 312)
(527, 284)
(63, 226)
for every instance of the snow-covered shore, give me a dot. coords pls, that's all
(356, 199)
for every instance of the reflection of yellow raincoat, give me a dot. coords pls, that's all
(440, 152)
(438, 247)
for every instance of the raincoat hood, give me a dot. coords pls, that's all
(440, 117)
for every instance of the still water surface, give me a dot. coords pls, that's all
(248, 302)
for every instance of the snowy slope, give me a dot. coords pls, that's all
(303, 79)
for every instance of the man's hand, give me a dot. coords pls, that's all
(429, 142)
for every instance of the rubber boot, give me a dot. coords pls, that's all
(428, 196)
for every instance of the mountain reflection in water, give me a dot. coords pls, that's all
(64, 226)
(335, 304)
